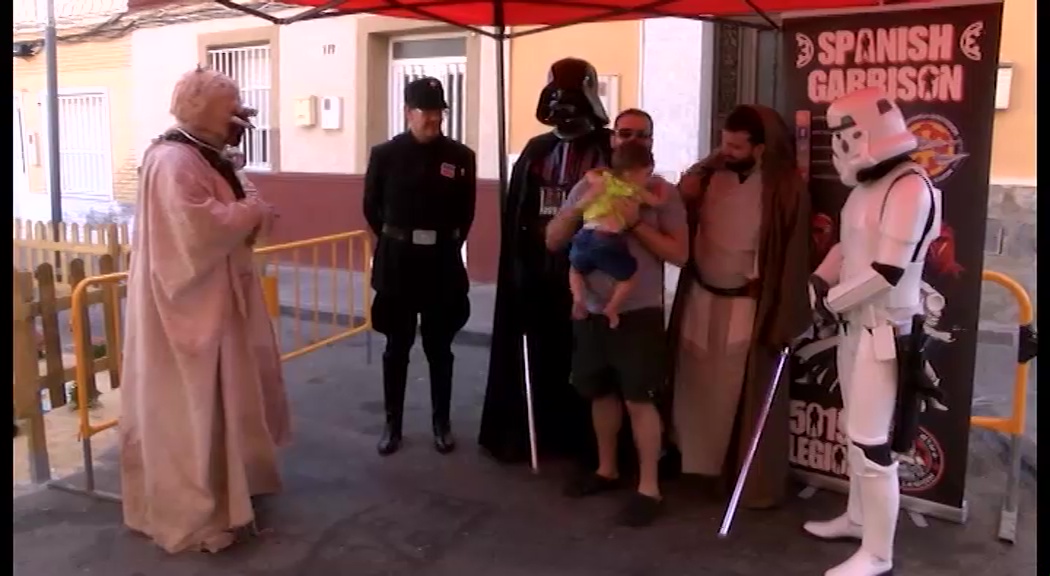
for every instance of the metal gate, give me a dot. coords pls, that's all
(250, 66)
(451, 71)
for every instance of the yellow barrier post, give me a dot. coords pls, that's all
(85, 362)
(271, 294)
(1014, 424)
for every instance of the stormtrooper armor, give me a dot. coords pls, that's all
(870, 286)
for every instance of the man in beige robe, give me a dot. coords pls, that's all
(204, 406)
(741, 298)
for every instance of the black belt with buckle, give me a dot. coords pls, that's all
(420, 237)
(750, 290)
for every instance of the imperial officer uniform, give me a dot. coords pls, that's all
(419, 202)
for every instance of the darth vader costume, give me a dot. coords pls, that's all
(532, 291)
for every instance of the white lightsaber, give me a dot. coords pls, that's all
(738, 490)
(528, 404)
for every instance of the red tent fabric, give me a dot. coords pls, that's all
(553, 12)
(474, 13)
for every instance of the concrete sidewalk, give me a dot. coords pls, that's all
(345, 511)
(993, 380)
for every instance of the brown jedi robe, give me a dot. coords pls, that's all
(782, 313)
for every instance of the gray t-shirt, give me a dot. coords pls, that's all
(648, 291)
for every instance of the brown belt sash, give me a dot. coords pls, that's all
(750, 290)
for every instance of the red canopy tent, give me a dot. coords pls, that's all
(493, 18)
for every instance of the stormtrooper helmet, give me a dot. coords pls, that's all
(867, 128)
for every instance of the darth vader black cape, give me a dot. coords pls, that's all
(532, 296)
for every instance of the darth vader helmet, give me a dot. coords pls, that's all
(569, 102)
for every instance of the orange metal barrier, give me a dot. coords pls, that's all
(1014, 424)
(355, 247)
(358, 250)
(109, 283)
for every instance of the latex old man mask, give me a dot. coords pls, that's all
(205, 103)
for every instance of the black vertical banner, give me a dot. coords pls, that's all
(940, 64)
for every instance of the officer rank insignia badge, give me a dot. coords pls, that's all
(448, 170)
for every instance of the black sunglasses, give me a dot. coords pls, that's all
(629, 134)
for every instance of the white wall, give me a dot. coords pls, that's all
(306, 71)
(488, 126)
(675, 90)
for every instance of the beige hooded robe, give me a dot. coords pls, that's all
(204, 406)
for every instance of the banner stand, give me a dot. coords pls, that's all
(910, 503)
(939, 62)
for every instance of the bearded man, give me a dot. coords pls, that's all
(204, 406)
(741, 298)
(532, 290)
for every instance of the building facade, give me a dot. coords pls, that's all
(330, 89)
(96, 150)
(327, 91)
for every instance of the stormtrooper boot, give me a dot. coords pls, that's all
(846, 526)
(880, 502)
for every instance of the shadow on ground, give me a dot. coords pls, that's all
(347, 512)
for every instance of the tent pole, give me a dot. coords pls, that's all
(501, 111)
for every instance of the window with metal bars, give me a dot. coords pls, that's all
(250, 66)
(441, 58)
(84, 147)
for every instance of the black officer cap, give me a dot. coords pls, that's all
(425, 93)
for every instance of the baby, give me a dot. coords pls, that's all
(601, 244)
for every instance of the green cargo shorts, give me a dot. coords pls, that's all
(630, 360)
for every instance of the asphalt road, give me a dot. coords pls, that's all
(345, 511)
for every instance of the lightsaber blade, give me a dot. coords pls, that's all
(756, 438)
(533, 453)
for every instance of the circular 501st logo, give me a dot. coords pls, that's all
(922, 469)
(941, 147)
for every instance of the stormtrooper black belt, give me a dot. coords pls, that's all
(420, 237)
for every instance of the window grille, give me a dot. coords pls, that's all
(250, 66)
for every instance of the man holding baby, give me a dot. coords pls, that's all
(620, 357)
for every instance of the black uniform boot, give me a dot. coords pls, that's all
(395, 376)
(441, 400)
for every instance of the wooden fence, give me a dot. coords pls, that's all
(39, 365)
(36, 243)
